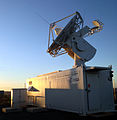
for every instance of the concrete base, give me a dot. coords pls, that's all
(35, 109)
(9, 109)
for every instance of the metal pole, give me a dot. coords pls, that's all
(114, 90)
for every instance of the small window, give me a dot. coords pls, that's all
(30, 82)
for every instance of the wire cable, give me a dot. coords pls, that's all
(42, 18)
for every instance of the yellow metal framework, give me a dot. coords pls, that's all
(55, 49)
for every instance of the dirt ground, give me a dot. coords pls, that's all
(54, 115)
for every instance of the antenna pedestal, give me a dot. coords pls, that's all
(77, 62)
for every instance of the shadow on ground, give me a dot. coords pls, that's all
(53, 115)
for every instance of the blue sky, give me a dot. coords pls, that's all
(24, 37)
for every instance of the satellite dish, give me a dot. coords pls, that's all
(71, 40)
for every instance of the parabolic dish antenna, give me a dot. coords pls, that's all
(70, 39)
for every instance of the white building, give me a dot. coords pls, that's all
(81, 90)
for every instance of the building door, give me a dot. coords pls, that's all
(93, 86)
(30, 100)
(37, 100)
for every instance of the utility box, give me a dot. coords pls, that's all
(18, 97)
(91, 91)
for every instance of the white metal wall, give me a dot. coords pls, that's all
(68, 100)
(67, 79)
(75, 89)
